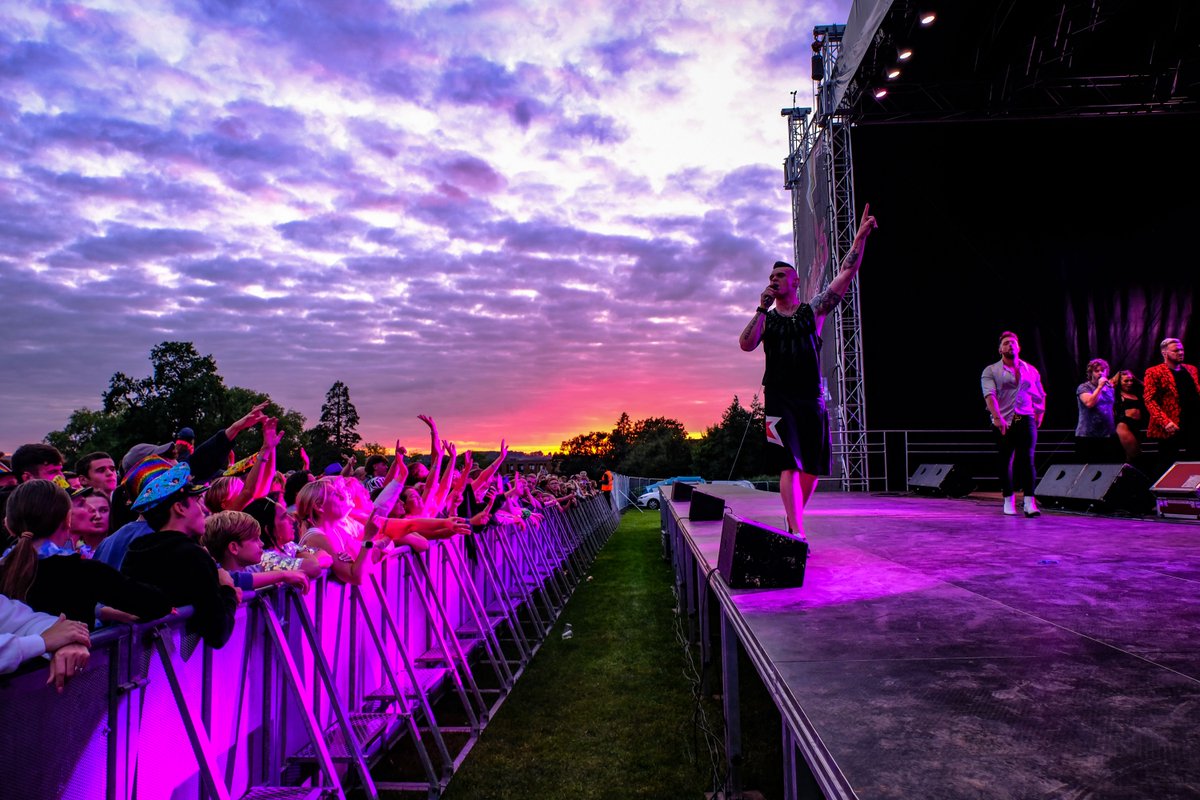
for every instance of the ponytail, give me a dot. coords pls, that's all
(36, 509)
(20, 568)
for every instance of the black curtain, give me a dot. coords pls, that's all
(1074, 233)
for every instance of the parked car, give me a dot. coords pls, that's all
(652, 499)
(652, 496)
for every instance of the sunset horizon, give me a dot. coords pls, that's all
(523, 220)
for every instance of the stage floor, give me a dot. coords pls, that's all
(942, 650)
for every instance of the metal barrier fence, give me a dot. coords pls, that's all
(384, 686)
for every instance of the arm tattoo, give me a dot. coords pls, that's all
(748, 332)
(825, 302)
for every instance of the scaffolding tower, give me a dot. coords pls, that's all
(849, 418)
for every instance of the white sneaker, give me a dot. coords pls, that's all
(1031, 509)
(1010, 505)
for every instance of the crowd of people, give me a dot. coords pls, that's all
(1116, 415)
(181, 524)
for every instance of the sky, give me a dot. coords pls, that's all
(521, 218)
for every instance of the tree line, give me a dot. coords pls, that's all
(185, 389)
(659, 447)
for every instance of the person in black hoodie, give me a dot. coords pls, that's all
(172, 558)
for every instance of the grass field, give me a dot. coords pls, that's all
(608, 713)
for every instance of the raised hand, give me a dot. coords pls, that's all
(435, 447)
(866, 224)
(305, 464)
(272, 436)
(252, 418)
(397, 470)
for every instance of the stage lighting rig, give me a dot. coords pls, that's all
(818, 62)
(927, 17)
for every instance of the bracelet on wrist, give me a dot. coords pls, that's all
(760, 310)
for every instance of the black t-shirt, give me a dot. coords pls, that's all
(1189, 400)
(793, 351)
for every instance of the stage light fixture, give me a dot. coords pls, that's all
(891, 73)
(904, 54)
(928, 18)
(818, 68)
(880, 93)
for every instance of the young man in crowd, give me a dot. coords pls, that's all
(98, 471)
(37, 461)
(30, 462)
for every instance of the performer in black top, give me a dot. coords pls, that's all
(797, 422)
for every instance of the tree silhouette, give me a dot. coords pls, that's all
(335, 435)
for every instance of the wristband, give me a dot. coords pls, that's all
(760, 310)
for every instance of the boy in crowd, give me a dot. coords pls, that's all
(172, 559)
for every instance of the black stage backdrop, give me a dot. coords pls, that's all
(1077, 234)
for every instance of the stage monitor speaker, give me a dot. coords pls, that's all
(949, 480)
(1054, 489)
(681, 491)
(1177, 492)
(757, 556)
(705, 507)
(1112, 487)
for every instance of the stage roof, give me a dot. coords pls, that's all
(997, 59)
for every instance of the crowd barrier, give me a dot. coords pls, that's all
(383, 687)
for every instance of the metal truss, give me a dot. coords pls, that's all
(801, 138)
(849, 420)
(850, 399)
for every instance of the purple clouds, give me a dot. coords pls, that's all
(525, 218)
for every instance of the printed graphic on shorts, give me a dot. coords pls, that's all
(772, 432)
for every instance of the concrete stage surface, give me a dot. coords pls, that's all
(939, 649)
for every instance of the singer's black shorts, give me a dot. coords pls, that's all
(797, 434)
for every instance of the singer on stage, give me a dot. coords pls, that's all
(797, 422)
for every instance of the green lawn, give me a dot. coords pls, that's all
(608, 713)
